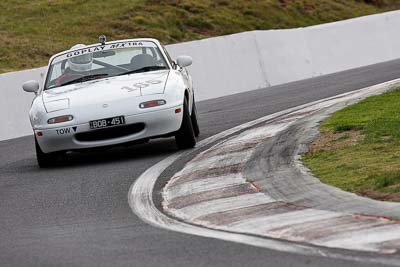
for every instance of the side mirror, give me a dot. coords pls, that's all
(184, 61)
(31, 86)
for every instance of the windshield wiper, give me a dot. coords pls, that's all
(86, 78)
(144, 69)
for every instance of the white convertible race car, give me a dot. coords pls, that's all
(112, 93)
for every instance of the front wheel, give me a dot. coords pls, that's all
(46, 160)
(185, 137)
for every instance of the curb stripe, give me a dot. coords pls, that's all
(313, 236)
(210, 172)
(267, 223)
(361, 239)
(229, 149)
(203, 185)
(226, 192)
(232, 216)
(326, 228)
(223, 204)
(216, 162)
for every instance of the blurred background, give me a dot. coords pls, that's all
(33, 30)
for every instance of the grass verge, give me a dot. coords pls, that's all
(359, 148)
(32, 31)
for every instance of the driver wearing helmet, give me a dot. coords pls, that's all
(78, 66)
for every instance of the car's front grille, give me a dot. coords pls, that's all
(110, 133)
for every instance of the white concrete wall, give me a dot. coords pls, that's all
(224, 65)
(15, 103)
(250, 60)
(247, 61)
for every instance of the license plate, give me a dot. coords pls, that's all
(108, 122)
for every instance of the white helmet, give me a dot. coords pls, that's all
(81, 63)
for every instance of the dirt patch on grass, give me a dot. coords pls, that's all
(395, 197)
(330, 140)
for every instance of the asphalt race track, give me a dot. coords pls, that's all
(78, 214)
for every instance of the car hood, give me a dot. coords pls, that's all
(110, 89)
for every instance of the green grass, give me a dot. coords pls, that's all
(372, 166)
(31, 31)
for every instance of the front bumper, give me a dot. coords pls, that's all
(156, 123)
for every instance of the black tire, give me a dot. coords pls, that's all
(184, 137)
(193, 117)
(46, 160)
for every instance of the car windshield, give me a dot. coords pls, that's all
(103, 61)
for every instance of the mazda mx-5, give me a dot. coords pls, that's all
(112, 93)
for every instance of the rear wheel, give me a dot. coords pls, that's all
(185, 137)
(193, 117)
(46, 160)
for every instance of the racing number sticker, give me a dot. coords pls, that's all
(140, 85)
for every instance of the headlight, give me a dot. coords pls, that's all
(153, 103)
(60, 119)
(57, 105)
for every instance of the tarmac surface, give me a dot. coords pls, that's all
(78, 214)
